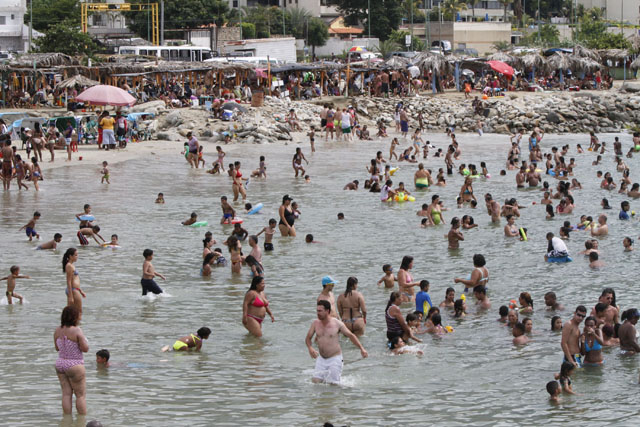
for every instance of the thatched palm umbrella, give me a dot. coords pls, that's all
(586, 65)
(583, 52)
(76, 80)
(396, 62)
(512, 60)
(534, 60)
(559, 61)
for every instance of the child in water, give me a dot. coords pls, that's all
(51, 244)
(566, 370)
(105, 173)
(554, 390)
(160, 199)
(190, 342)
(389, 278)
(628, 244)
(11, 284)
(102, 358)
(192, 220)
(30, 227)
(268, 234)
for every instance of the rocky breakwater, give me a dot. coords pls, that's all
(554, 112)
(260, 125)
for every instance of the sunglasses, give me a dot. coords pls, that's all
(581, 315)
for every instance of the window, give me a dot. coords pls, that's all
(173, 53)
(185, 54)
(143, 51)
(3, 20)
(235, 3)
(164, 53)
(153, 53)
(13, 17)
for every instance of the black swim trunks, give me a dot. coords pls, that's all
(150, 285)
(268, 246)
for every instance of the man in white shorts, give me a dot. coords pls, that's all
(326, 328)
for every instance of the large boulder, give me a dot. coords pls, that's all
(555, 118)
(630, 87)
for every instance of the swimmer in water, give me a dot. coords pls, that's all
(327, 294)
(519, 338)
(526, 303)
(148, 274)
(192, 219)
(268, 231)
(503, 311)
(566, 371)
(627, 243)
(389, 278)
(94, 231)
(449, 298)
(551, 301)
(479, 275)
(30, 227)
(352, 308)
(160, 199)
(482, 301)
(455, 235)
(298, 157)
(554, 390)
(235, 251)
(228, 213)
(511, 230)
(190, 342)
(434, 211)
(594, 261)
(11, 284)
(398, 346)
(405, 281)
(105, 173)
(52, 244)
(102, 358)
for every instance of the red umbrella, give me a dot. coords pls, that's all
(106, 95)
(501, 68)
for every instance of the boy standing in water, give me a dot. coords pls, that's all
(268, 235)
(389, 278)
(228, 213)
(30, 227)
(312, 137)
(105, 173)
(11, 284)
(148, 273)
(89, 231)
(327, 287)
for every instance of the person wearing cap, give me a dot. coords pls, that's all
(328, 357)
(627, 332)
(327, 294)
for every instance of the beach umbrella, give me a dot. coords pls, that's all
(531, 60)
(559, 61)
(501, 67)
(76, 80)
(106, 95)
(583, 52)
(357, 49)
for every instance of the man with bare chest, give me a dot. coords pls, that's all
(329, 354)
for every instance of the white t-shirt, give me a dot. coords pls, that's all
(346, 120)
(558, 245)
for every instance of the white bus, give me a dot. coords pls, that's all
(258, 61)
(169, 53)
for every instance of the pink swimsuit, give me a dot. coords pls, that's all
(69, 354)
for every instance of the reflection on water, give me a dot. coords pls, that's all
(472, 376)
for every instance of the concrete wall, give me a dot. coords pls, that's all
(481, 35)
(337, 46)
(282, 49)
(206, 37)
(628, 10)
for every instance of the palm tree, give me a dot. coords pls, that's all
(299, 17)
(451, 7)
(506, 4)
(385, 47)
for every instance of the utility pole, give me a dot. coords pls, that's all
(30, 23)
(538, 23)
(369, 21)
(411, 4)
(284, 5)
(161, 22)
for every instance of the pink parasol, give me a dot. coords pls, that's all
(501, 68)
(106, 95)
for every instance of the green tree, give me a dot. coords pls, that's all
(451, 7)
(298, 20)
(548, 36)
(418, 15)
(592, 33)
(66, 37)
(385, 15)
(47, 13)
(258, 16)
(248, 30)
(501, 46)
(318, 34)
(505, 4)
(399, 38)
(182, 14)
(385, 47)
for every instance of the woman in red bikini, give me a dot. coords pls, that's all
(255, 307)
